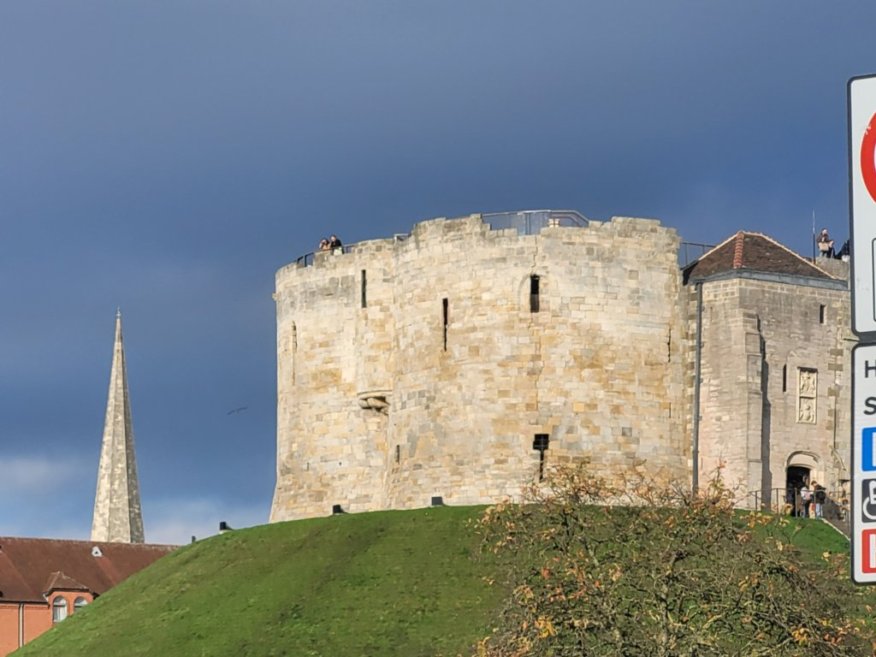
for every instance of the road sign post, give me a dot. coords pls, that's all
(863, 506)
(862, 214)
(862, 200)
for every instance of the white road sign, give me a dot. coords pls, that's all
(863, 498)
(862, 190)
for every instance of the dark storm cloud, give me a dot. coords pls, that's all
(169, 157)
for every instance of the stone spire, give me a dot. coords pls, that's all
(117, 515)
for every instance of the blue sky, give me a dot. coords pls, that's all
(169, 157)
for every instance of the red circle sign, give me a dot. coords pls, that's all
(868, 157)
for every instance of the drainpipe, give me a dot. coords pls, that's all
(20, 624)
(695, 473)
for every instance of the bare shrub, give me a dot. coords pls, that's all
(640, 568)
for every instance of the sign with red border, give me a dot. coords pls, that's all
(862, 202)
(862, 229)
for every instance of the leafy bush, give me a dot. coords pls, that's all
(640, 568)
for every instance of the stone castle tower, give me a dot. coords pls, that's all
(117, 515)
(456, 361)
(450, 362)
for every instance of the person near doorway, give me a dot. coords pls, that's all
(791, 502)
(806, 498)
(819, 494)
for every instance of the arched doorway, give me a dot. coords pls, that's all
(796, 476)
(800, 471)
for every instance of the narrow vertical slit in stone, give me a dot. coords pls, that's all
(293, 348)
(445, 309)
(534, 293)
(540, 444)
(669, 347)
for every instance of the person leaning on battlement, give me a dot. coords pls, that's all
(334, 243)
(825, 244)
(324, 244)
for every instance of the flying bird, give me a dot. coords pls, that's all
(237, 410)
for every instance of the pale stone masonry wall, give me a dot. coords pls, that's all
(415, 367)
(332, 353)
(764, 338)
(385, 407)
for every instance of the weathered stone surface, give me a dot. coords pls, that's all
(599, 367)
(117, 515)
(434, 379)
(752, 428)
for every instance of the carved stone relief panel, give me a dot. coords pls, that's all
(807, 393)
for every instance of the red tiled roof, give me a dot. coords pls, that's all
(31, 567)
(754, 252)
(58, 581)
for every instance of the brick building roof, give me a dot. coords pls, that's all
(753, 252)
(32, 567)
(58, 581)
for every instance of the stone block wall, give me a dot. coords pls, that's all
(335, 363)
(775, 381)
(438, 385)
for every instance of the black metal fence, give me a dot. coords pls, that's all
(531, 222)
(789, 501)
(690, 251)
(307, 259)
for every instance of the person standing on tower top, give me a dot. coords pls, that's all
(825, 244)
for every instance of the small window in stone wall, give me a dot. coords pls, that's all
(534, 292)
(807, 387)
(784, 378)
(821, 314)
(540, 444)
(445, 308)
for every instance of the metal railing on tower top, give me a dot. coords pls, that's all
(531, 222)
(690, 251)
(527, 222)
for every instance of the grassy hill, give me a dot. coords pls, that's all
(388, 583)
(402, 583)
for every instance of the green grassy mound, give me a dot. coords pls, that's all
(389, 583)
(398, 583)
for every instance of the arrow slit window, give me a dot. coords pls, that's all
(293, 347)
(534, 293)
(807, 388)
(445, 310)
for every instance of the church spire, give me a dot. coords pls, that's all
(117, 515)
